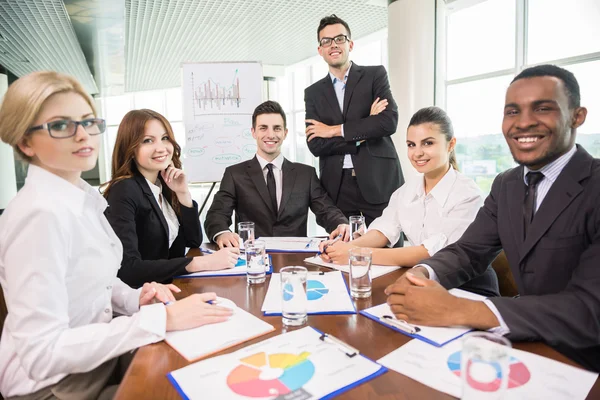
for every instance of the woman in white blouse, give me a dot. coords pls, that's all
(433, 212)
(150, 205)
(59, 257)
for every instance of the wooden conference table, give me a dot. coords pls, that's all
(146, 376)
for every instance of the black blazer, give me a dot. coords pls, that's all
(244, 190)
(140, 224)
(375, 161)
(556, 269)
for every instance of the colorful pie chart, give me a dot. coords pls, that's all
(265, 375)
(314, 290)
(518, 374)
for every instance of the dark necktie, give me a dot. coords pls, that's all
(533, 178)
(272, 187)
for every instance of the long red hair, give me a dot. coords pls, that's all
(129, 137)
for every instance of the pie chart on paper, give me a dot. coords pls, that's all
(314, 290)
(266, 375)
(518, 374)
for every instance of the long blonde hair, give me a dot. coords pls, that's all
(24, 100)
(130, 136)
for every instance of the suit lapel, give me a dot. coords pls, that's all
(564, 190)
(331, 98)
(515, 192)
(256, 175)
(288, 180)
(148, 192)
(356, 73)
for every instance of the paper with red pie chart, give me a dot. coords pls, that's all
(530, 376)
(294, 365)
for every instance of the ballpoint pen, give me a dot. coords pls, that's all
(401, 324)
(338, 237)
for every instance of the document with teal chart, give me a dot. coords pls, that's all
(326, 293)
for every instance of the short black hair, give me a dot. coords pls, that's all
(332, 20)
(567, 77)
(268, 107)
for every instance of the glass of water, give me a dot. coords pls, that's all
(485, 361)
(255, 261)
(360, 272)
(293, 292)
(357, 226)
(246, 232)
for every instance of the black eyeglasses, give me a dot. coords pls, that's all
(66, 128)
(339, 39)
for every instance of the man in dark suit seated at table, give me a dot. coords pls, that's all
(269, 190)
(545, 214)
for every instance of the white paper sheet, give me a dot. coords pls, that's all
(327, 293)
(199, 342)
(296, 364)
(292, 244)
(376, 270)
(530, 377)
(438, 336)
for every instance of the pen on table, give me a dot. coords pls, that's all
(401, 324)
(207, 251)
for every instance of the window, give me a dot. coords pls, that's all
(485, 43)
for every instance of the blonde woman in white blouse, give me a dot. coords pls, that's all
(59, 257)
(433, 212)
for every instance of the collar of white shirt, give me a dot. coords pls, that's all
(156, 190)
(277, 162)
(334, 79)
(75, 196)
(441, 191)
(552, 170)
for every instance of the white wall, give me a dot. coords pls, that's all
(8, 185)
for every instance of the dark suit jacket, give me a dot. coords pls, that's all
(244, 190)
(556, 269)
(375, 161)
(139, 222)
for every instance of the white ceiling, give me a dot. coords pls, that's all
(133, 45)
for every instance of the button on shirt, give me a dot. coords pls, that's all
(58, 268)
(340, 88)
(168, 212)
(435, 219)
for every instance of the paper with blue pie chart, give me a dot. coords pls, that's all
(326, 292)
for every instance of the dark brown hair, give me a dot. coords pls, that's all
(435, 115)
(129, 137)
(268, 107)
(332, 20)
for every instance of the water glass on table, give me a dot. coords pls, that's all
(293, 295)
(485, 362)
(255, 261)
(246, 232)
(357, 226)
(360, 272)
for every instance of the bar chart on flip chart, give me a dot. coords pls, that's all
(218, 102)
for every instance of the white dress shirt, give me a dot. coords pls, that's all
(58, 265)
(168, 212)
(433, 220)
(277, 172)
(339, 87)
(550, 172)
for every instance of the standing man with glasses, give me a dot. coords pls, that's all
(350, 116)
(544, 214)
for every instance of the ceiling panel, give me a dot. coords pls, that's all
(160, 35)
(38, 35)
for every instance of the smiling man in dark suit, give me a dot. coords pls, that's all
(269, 190)
(350, 116)
(545, 214)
